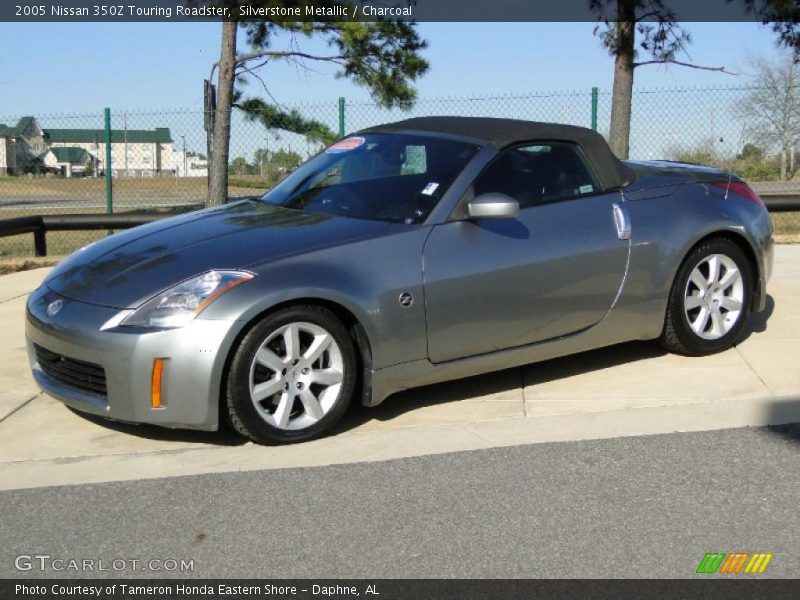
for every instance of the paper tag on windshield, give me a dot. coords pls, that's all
(586, 189)
(345, 145)
(430, 189)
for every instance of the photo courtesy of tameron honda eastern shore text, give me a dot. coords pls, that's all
(406, 254)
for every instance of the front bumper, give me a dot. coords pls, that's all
(195, 359)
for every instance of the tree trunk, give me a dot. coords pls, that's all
(619, 136)
(218, 167)
(783, 165)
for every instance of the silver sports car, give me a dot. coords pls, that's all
(403, 255)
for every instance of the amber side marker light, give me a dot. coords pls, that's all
(155, 383)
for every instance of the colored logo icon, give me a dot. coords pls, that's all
(733, 563)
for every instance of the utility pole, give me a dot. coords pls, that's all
(183, 137)
(125, 146)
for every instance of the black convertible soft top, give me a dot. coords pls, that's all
(611, 171)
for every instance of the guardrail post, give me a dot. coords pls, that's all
(109, 190)
(40, 242)
(595, 93)
(341, 117)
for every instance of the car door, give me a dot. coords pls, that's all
(556, 269)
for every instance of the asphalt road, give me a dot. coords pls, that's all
(627, 507)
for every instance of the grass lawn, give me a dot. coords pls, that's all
(787, 227)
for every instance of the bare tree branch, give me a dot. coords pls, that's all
(683, 64)
(252, 72)
(243, 58)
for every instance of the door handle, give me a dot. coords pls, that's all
(623, 221)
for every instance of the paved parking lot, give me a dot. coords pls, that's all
(628, 390)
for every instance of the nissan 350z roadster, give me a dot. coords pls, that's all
(404, 255)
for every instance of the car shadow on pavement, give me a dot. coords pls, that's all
(759, 321)
(503, 383)
(784, 413)
(592, 360)
(500, 385)
(224, 437)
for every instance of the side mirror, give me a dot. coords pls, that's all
(493, 206)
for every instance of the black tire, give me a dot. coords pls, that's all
(237, 404)
(677, 335)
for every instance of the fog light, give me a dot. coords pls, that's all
(156, 399)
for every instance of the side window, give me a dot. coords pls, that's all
(538, 173)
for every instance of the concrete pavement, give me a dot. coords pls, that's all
(628, 390)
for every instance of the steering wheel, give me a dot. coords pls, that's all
(341, 200)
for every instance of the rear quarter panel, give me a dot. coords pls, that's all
(668, 222)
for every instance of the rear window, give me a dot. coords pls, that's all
(387, 177)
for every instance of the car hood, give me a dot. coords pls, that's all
(126, 269)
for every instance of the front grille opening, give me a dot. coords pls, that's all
(74, 373)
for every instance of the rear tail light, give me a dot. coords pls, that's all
(739, 188)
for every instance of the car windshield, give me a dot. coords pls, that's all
(384, 177)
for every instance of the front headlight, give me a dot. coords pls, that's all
(180, 304)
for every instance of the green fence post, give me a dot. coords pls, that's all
(341, 117)
(594, 108)
(109, 196)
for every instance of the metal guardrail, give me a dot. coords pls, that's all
(39, 225)
(782, 203)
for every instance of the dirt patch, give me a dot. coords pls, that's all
(13, 265)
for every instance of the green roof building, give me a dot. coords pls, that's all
(27, 147)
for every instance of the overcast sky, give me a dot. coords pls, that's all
(65, 68)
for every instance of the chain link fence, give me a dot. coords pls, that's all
(157, 159)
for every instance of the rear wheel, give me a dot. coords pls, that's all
(292, 376)
(709, 304)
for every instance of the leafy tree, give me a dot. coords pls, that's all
(286, 160)
(702, 153)
(274, 164)
(629, 29)
(771, 110)
(272, 117)
(261, 158)
(383, 56)
(239, 166)
(782, 16)
(751, 152)
(751, 164)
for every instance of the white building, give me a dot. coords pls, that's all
(27, 148)
(190, 164)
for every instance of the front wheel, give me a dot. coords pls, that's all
(709, 304)
(291, 377)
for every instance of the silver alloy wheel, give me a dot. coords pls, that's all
(296, 376)
(714, 297)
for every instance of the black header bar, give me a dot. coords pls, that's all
(346, 10)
